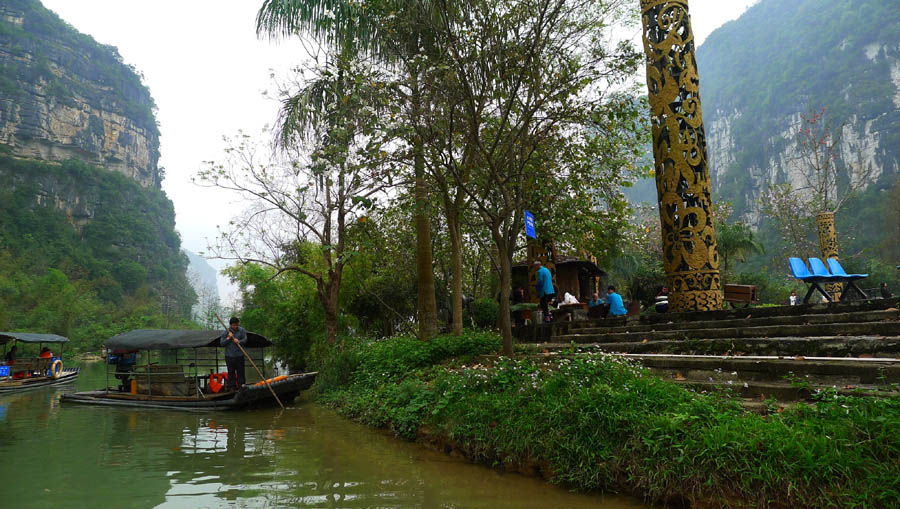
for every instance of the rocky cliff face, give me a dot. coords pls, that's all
(62, 96)
(784, 59)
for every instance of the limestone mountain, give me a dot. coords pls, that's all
(88, 246)
(787, 58)
(63, 95)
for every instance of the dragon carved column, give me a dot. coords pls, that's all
(829, 247)
(679, 148)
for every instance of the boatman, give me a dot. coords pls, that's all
(234, 357)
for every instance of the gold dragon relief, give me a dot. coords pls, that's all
(829, 246)
(679, 148)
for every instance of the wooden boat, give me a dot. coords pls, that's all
(27, 373)
(184, 369)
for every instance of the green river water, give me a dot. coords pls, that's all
(65, 455)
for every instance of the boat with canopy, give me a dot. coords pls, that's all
(162, 368)
(22, 372)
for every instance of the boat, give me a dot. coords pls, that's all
(27, 373)
(184, 369)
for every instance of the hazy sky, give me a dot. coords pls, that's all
(206, 70)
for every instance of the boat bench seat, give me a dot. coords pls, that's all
(164, 380)
(30, 364)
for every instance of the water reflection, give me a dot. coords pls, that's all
(305, 456)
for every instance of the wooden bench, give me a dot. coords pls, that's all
(31, 364)
(741, 294)
(164, 380)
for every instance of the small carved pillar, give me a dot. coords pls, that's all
(828, 246)
(679, 149)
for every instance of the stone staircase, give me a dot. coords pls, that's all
(785, 353)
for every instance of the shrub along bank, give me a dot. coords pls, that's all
(598, 422)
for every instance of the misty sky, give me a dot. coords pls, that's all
(206, 71)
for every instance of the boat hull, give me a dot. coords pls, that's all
(68, 376)
(248, 396)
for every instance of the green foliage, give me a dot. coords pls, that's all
(286, 310)
(598, 422)
(361, 360)
(735, 241)
(87, 285)
(484, 312)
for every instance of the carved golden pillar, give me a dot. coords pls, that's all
(679, 149)
(828, 246)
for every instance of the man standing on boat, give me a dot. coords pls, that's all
(234, 356)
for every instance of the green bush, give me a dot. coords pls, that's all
(483, 313)
(600, 422)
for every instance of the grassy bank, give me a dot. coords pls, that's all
(600, 422)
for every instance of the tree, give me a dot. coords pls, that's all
(518, 109)
(357, 27)
(735, 240)
(822, 182)
(328, 177)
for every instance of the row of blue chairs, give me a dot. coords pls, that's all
(817, 273)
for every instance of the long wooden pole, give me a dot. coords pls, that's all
(261, 376)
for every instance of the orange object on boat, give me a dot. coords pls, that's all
(270, 381)
(217, 381)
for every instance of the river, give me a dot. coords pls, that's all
(67, 455)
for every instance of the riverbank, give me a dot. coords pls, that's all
(599, 422)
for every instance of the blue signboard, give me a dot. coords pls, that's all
(4, 370)
(529, 225)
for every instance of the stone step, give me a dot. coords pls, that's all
(885, 328)
(783, 391)
(819, 370)
(759, 378)
(822, 370)
(770, 311)
(749, 320)
(821, 346)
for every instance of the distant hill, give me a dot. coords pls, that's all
(784, 58)
(205, 273)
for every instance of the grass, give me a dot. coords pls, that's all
(599, 422)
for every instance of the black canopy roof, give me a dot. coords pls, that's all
(27, 337)
(167, 339)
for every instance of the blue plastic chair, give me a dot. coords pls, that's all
(801, 272)
(839, 271)
(835, 266)
(819, 269)
(799, 269)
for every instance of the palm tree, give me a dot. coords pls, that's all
(355, 27)
(735, 242)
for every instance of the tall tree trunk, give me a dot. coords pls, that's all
(427, 305)
(505, 282)
(330, 304)
(456, 255)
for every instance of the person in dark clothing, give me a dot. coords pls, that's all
(885, 293)
(11, 355)
(234, 356)
(518, 297)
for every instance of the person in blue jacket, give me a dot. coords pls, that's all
(616, 307)
(545, 289)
